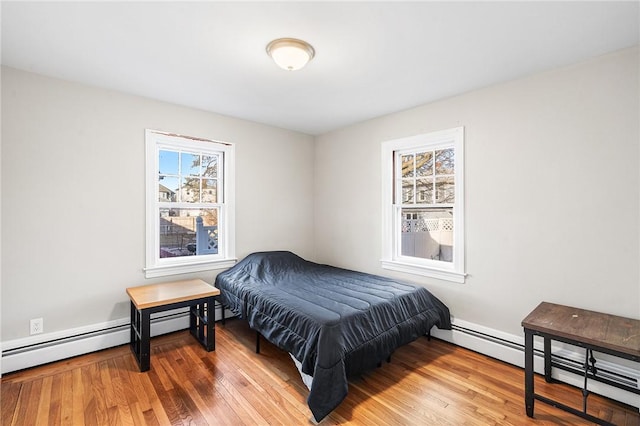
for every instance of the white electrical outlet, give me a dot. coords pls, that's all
(36, 326)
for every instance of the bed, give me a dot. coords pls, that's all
(335, 322)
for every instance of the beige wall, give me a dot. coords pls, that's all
(552, 192)
(73, 196)
(552, 202)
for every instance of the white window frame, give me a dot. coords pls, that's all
(157, 267)
(391, 254)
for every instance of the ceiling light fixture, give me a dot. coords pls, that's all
(290, 53)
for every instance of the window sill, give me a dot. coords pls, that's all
(441, 274)
(161, 271)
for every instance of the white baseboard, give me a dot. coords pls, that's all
(510, 349)
(37, 350)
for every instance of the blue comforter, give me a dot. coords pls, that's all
(336, 322)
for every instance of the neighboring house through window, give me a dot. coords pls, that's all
(190, 204)
(423, 197)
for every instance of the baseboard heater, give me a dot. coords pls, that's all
(565, 361)
(488, 337)
(85, 335)
(35, 350)
(38, 350)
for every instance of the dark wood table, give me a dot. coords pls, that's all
(591, 330)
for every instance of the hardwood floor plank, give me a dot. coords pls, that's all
(392, 409)
(255, 404)
(89, 398)
(139, 417)
(171, 410)
(78, 397)
(120, 394)
(22, 403)
(9, 394)
(426, 383)
(243, 407)
(104, 368)
(154, 399)
(398, 399)
(28, 415)
(150, 418)
(113, 416)
(44, 405)
(412, 384)
(55, 404)
(166, 383)
(131, 376)
(66, 397)
(99, 390)
(286, 412)
(267, 379)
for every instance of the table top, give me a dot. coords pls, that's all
(152, 295)
(594, 328)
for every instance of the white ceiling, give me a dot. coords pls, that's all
(372, 58)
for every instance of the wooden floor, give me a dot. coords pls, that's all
(426, 383)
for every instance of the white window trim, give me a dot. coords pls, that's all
(391, 259)
(157, 267)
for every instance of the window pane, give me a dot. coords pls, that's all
(207, 232)
(407, 191)
(424, 189)
(167, 189)
(407, 166)
(445, 162)
(168, 162)
(190, 164)
(209, 190)
(190, 190)
(424, 164)
(210, 166)
(445, 190)
(188, 232)
(427, 234)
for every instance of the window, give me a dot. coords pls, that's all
(190, 204)
(423, 197)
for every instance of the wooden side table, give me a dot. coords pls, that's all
(594, 331)
(148, 299)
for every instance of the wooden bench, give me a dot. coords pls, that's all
(591, 330)
(149, 299)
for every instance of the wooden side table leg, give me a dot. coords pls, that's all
(528, 372)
